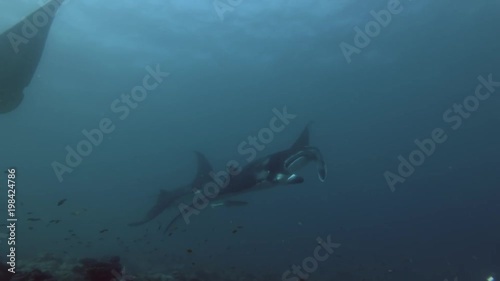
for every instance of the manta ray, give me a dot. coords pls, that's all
(21, 48)
(273, 170)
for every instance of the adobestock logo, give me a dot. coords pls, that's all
(310, 264)
(372, 29)
(31, 25)
(122, 107)
(455, 117)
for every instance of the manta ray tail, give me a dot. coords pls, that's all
(173, 220)
(202, 177)
(227, 203)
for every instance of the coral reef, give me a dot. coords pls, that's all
(5, 275)
(34, 275)
(103, 270)
(58, 267)
(49, 268)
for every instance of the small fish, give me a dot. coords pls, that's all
(229, 203)
(61, 202)
(235, 203)
(34, 219)
(189, 251)
(54, 221)
(78, 212)
(104, 230)
(234, 231)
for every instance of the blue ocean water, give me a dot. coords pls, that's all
(403, 96)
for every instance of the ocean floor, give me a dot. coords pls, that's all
(50, 268)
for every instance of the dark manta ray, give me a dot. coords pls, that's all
(281, 167)
(273, 170)
(169, 198)
(21, 48)
(277, 169)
